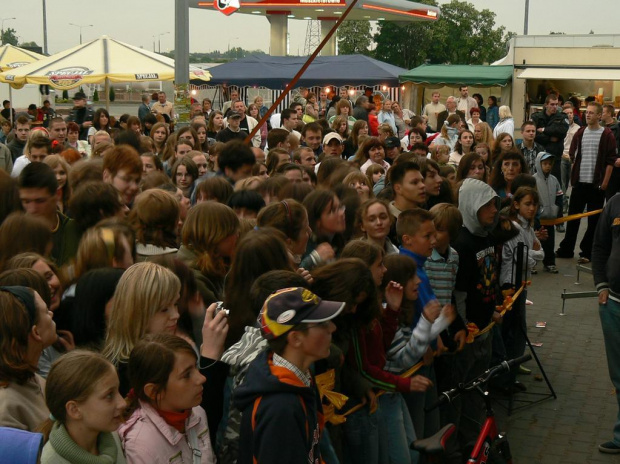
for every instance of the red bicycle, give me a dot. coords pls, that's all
(491, 445)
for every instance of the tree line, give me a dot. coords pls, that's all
(461, 35)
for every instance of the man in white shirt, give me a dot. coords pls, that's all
(573, 127)
(38, 149)
(432, 110)
(465, 102)
(289, 120)
(162, 106)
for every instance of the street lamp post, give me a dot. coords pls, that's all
(2, 28)
(159, 41)
(44, 28)
(81, 27)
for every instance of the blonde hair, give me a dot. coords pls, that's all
(504, 112)
(101, 245)
(207, 224)
(143, 290)
(487, 133)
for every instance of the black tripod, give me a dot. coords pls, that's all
(520, 268)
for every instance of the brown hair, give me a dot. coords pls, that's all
(72, 377)
(260, 251)
(85, 171)
(214, 188)
(152, 361)
(94, 201)
(21, 232)
(410, 221)
(287, 216)
(447, 217)
(9, 194)
(207, 224)
(154, 218)
(53, 161)
(363, 210)
(15, 326)
(122, 157)
(364, 250)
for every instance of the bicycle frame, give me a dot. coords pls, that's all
(489, 439)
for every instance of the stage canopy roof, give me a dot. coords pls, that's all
(275, 72)
(391, 10)
(454, 74)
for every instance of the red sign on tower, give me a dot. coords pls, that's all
(227, 7)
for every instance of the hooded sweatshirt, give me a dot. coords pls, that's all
(282, 418)
(476, 290)
(549, 190)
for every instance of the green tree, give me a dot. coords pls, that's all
(112, 95)
(461, 35)
(9, 36)
(354, 38)
(96, 96)
(407, 46)
(31, 44)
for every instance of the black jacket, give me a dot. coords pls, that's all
(556, 126)
(282, 418)
(606, 249)
(80, 116)
(441, 117)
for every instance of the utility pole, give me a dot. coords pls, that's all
(527, 13)
(44, 28)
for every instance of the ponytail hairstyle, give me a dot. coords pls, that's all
(452, 119)
(72, 377)
(206, 226)
(152, 361)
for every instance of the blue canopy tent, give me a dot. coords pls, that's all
(275, 72)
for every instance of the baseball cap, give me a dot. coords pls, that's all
(234, 115)
(546, 155)
(79, 96)
(289, 307)
(331, 136)
(392, 142)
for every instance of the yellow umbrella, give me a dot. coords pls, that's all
(102, 60)
(12, 57)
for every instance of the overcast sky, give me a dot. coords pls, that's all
(136, 21)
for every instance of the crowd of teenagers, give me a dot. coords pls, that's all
(172, 296)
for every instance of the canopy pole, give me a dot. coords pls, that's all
(308, 62)
(11, 100)
(107, 95)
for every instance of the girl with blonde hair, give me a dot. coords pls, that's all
(61, 169)
(144, 302)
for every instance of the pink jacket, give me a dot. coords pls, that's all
(148, 439)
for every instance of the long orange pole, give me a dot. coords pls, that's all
(309, 61)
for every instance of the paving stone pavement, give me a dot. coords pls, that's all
(570, 428)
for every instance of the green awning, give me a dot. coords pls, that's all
(448, 74)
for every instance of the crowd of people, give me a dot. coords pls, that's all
(179, 294)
